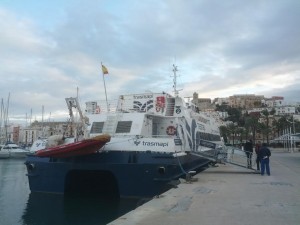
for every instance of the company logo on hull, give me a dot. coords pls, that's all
(136, 142)
(152, 143)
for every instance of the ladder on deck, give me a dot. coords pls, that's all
(170, 106)
(111, 124)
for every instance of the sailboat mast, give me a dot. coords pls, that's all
(30, 117)
(6, 118)
(43, 134)
(1, 119)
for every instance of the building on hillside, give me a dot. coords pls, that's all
(223, 115)
(245, 101)
(285, 110)
(274, 101)
(221, 101)
(204, 104)
(256, 110)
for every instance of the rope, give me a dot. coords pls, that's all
(182, 169)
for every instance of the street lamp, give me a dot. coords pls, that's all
(290, 137)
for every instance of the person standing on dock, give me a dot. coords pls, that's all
(257, 147)
(264, 155)
(248, 148)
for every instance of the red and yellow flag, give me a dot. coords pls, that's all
(104, 70)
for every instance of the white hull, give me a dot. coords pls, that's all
(4, 155)
(12, 151)
(20, 154)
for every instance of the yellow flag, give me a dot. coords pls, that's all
(104, 70)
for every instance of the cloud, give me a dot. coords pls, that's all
(220, 48)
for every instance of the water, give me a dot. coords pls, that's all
(18, 206)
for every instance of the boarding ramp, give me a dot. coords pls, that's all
(228, 154)
(238, 157)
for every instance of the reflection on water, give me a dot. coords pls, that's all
(14, 191)
(48, 209)
(20, 207)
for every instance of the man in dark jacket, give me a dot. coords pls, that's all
(248, 148)
(264, 155)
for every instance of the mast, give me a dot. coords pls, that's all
(6, 118)
(1, 119)
(43, 135)
(104, 72)
(30, 117)
(176, 92)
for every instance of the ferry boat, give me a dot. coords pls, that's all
(156, 138)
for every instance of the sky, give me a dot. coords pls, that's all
(50, 49)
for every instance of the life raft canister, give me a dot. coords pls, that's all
(97, 111)
(160, 103)
(171, 130)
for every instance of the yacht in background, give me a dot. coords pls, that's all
(4, 153)
(12, 150)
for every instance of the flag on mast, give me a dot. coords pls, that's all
(104, 70)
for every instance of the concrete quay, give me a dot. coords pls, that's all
(229, 195)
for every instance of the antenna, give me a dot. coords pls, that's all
(175, 81)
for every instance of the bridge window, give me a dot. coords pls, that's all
(97, 127)
(124, 127)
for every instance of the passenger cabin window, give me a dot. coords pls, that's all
(97, 127)
(124, 127)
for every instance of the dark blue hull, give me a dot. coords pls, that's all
(125, 174)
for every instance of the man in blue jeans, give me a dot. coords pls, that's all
(248, 148)
(264, 155)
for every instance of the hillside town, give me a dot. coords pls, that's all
(241, 117)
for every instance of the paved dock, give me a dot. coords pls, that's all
(229, 195)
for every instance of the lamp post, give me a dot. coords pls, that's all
(292, 142)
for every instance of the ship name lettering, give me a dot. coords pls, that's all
(142, 96)
(152, 143)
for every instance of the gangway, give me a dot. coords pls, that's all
(228, 154)
(237, 156)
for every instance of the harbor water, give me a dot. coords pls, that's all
(18, 206)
